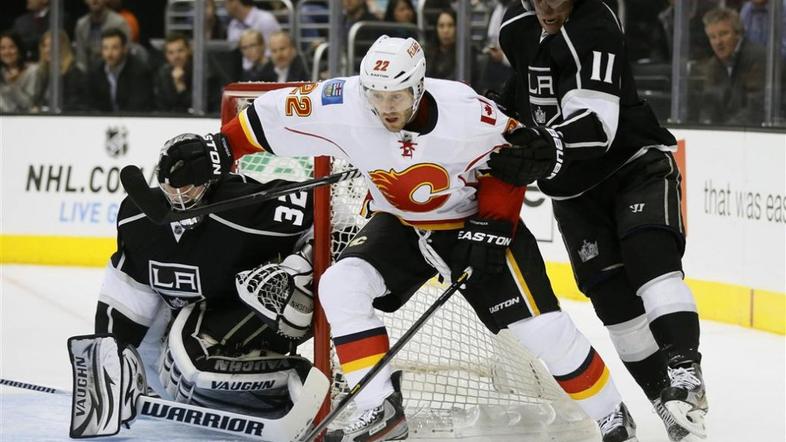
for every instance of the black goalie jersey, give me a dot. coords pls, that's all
(579, 82)
(167, 264)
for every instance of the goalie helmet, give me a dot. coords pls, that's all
(281, 295)
(393, 64)
(189, 195)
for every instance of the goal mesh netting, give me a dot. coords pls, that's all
(460, 381)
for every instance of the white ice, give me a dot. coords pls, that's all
(40, 307)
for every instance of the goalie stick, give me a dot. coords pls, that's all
(160, 212)
(287, 428)
(402, 341)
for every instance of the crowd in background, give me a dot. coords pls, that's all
(110, 62)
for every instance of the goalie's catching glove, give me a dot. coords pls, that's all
(534, 153)
(193, 159)
(482, 244)
(281, 295)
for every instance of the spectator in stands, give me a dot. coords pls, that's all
(18, 81)
(698, 46)
(401, 11)
(496, 67)
(214, 27)
(441, 54)
(356, 11)
(90, 28)
(247, 16)
(32, 25)
(285, 64)
(172, 82)
(73, 78)
(128, 16)
(121, 83)
(755, 16)
(732, 86)
(252, 58)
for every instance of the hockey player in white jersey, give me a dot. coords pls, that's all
(422, 146)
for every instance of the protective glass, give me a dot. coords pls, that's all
(390, 101)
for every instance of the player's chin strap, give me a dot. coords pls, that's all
(109, 387)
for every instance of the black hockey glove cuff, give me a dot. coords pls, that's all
(534, 153)
(482, 244)
(193, 159)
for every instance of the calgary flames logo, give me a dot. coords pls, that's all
(413, 189)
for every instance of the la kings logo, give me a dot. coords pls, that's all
(542, 96)
(178, 284)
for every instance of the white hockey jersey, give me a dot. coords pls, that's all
(426, 179)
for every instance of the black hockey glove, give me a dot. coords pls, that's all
(193, 159)
(534, 153)
(481, 244)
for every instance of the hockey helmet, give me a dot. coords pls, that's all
(393, 64)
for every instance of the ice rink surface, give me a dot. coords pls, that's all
(40, 307)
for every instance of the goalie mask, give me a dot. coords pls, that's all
(187, 196)
(392, 76)
(281, 295)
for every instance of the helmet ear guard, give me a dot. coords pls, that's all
(394, 64)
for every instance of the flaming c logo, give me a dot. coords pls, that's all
(412, 190)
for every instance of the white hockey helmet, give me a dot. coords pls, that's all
(394, 64)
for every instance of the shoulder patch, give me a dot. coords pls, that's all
(488, 113)
(333, 92)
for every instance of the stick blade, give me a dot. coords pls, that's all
(143, 195)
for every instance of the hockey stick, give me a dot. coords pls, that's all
(160, 212)
(286, 428)
(402, 341)
(34, 387)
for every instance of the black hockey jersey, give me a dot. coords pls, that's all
(184, 266)
(579, 82)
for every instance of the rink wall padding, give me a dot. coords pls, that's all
(60, 193)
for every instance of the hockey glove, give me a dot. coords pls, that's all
(482, 244)
(191, 159)
(534, 153)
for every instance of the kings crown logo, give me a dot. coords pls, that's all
(588, 250)
(116, 141)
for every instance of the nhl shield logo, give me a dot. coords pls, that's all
(116, 141)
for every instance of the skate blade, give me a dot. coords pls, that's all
(687, 418)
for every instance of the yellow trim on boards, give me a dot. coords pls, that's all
(717, 301)
(56, 250)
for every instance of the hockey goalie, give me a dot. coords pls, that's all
(234, 292)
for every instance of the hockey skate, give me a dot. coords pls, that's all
(385, 422)
(618, 426)
(675, 431)
(686, 398)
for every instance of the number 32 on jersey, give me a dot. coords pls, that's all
(293, 212)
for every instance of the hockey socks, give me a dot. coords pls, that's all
(358, 353)
(570, 358)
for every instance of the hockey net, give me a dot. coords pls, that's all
(460, 381)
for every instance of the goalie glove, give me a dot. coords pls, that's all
(281, 295)
(192, 159)
(534, 153)
(108, 380)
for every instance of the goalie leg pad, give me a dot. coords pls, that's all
(108, 379)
